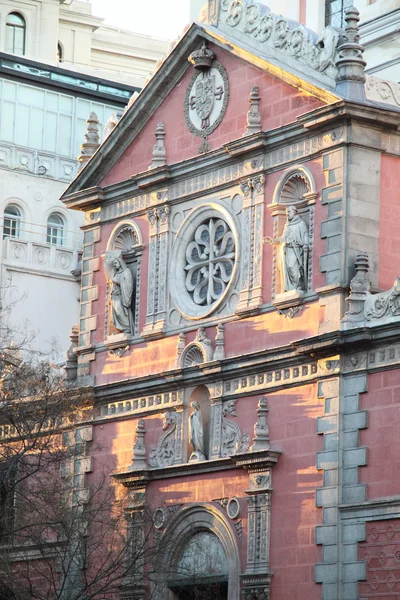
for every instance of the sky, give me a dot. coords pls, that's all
(159, 18)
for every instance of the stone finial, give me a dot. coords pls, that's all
(179, 349)
(89, 147)
(350, 77)
(139, 449)
(71, 364)
(202, 58)
(253, 115)
(261, 432)
(359, 289)
(159, 151)
(111, 124)
(219, 352)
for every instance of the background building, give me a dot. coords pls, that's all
(57, 65)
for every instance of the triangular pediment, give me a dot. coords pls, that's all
(284, 94)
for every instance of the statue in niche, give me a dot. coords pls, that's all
(122, 290)
(294, 245)
(196, 435)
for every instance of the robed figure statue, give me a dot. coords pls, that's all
(294, 245)
(196, 435)
(122, 290)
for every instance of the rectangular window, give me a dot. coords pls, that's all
(335, 11)
(43, 120)
(11, 227)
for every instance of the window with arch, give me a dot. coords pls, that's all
(15, 33)
(55, 230)
(12, 221)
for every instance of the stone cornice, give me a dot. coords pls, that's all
(321, 121)
(279, 368)
(251, 461)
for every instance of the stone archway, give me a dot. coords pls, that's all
(201, 569)
(203, 556)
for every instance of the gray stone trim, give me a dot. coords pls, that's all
(331, 229)
(89, 293)
(340, 570)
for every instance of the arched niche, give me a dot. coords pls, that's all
(201, 395)
(126, 238)
(193, 355)
(296, 188)
(202, 550)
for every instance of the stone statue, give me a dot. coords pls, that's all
(196, 436)
(294, 251)
(121, 294)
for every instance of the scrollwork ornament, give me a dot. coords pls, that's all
(164, 454)
(235, 11)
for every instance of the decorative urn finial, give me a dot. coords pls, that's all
(350, 78)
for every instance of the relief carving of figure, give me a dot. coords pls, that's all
(121, 294)
(294, 245)
(196, 434)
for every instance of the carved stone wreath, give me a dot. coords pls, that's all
(205, 258)
(206, 100)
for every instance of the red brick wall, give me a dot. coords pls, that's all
(382, 401)
(389, 248)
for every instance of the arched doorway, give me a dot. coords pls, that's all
(201, 556)
(201, 569)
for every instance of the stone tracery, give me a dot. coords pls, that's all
(210, 259)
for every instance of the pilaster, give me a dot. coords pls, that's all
(250, 298)
(158, 268)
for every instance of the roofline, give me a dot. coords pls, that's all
(20, 67)
(173, 68)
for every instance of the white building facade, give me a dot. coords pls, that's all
(57, 65)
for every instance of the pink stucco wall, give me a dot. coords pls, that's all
(292, 429)
(389, 249)
(382, 401)
(242, 336)
(280, 104)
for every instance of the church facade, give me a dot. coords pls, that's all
(239, 320)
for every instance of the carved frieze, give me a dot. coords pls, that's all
(266, 31)
(151, 403)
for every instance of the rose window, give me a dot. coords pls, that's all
(210, 259)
